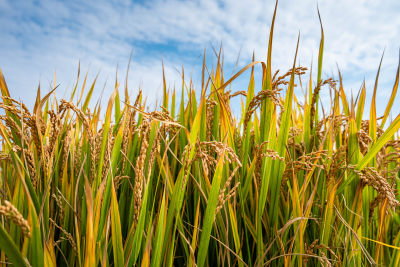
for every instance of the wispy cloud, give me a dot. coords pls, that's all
(39, 37)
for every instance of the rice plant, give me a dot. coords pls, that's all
(287, 183)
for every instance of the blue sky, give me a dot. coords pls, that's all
(39, 38)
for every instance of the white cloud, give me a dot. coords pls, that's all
(41, 37)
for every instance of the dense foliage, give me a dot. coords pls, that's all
(287, 183)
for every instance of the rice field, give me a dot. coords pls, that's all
(287, 183)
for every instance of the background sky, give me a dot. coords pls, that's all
(41, 38)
